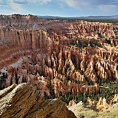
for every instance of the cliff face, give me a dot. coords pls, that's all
(22, 101)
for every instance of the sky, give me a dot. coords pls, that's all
(64, 8)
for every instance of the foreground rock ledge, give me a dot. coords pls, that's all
(22, 101)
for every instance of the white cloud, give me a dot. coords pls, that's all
(29, 1)
(61, 5)
(79, 4)
(20, 1)
(45, 1)
(19, 6)
(39, 1)
(104, 6)
(108, 8)
(15, 6)
(2, 2)
(113, 2)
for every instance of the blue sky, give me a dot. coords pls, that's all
(66, 8)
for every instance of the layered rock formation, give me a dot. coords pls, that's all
(23, 101)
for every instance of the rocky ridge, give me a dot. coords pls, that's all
(23, 101)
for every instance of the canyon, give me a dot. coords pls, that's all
(60, 58)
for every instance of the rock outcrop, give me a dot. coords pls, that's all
(23, 101)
